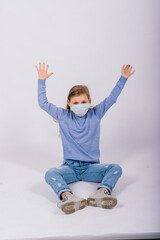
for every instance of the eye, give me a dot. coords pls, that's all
(84, 102)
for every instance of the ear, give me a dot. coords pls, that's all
(68, 102)
(90, 100)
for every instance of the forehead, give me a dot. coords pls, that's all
(80, 98)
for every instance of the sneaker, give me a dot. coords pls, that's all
(70, 203)
(103, 199)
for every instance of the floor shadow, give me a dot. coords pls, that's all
(45, 191)
(124, 183)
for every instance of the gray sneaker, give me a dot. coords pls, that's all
(70, 203)
(102, 199)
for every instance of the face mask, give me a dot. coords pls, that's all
(80, 109)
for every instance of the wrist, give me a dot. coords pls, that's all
(124, 76)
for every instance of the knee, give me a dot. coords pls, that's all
(50, 174)
(117, 169)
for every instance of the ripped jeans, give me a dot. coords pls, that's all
(105, 174)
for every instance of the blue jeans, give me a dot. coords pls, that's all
(105, 174)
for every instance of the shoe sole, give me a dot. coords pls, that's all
(106, 202)
(71, 207)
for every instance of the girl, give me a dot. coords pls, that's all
(80, 131)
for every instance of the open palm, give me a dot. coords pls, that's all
(127, 71)
(42, 72)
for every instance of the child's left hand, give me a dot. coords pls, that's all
(126, 71)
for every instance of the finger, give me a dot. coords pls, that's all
(39, 66)
(123, 67)
(47, 68)
(50, 74)
(133, 72)
(130, 69)
(36, 67)
(43, 65)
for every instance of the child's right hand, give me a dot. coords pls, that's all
(42, 72)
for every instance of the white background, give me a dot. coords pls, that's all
(84, 42)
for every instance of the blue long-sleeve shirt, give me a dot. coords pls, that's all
(80, 135)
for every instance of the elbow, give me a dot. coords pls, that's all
(113, 100)
(40, 104)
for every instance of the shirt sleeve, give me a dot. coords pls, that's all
(102, 108)
(50, 108)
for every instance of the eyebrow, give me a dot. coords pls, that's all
(77, 102)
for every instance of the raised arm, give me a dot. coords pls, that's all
(102, 108)
(50, 108)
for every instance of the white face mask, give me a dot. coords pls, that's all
(80, 109)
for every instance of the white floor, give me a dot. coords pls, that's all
(28, 206)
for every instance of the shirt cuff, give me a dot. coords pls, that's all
(41, 82)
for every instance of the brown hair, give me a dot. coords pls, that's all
(77, 90)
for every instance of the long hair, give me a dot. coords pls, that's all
(77, 90)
